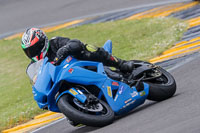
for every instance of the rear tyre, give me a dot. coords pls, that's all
(163, 87)
(75, 112)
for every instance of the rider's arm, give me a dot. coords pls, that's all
(73, 47)
(58, 42)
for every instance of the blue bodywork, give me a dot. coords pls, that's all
(71, 70)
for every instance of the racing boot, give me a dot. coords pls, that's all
(122, 65)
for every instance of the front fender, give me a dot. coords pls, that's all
(75, 93)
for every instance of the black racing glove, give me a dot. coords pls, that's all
(61, 54)
(58, 60)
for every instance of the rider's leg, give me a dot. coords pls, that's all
(99, 54)
(90, 52)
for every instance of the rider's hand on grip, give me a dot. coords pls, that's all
(57, 60)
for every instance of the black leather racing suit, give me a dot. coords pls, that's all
(61, 47)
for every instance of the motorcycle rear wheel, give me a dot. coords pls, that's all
(162, 88)
(76, 114)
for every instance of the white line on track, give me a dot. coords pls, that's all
(48, 125)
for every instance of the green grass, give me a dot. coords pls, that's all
(138, 39)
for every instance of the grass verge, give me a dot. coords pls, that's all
(139, 39)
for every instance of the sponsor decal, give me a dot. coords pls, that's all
(128, 104)
(73, 92)
(115, 83)
(71, 70)
(121, 89)
(130, 99)
(134, 94)
(109, 91)
(142, 93)
(68, 59)
(116, 97)
(80, 92)
(66, 66)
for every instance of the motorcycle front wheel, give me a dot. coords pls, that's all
(97, 115)
(162, 87)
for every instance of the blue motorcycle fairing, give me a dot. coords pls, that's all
(49, 77)
(47, 84)
(126, 98)
(120, 97)
(49, 72)
(41, 88)
(75, 73)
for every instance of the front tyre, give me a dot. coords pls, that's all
(98, 116)
(163, 87)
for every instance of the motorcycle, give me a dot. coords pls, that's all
(89, 93)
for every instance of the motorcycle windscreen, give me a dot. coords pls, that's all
(33, 69)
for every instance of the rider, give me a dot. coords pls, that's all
(36, 46)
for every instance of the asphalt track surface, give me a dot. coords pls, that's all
(180, 114)
(17, 15)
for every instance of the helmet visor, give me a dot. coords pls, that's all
(34, 50)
